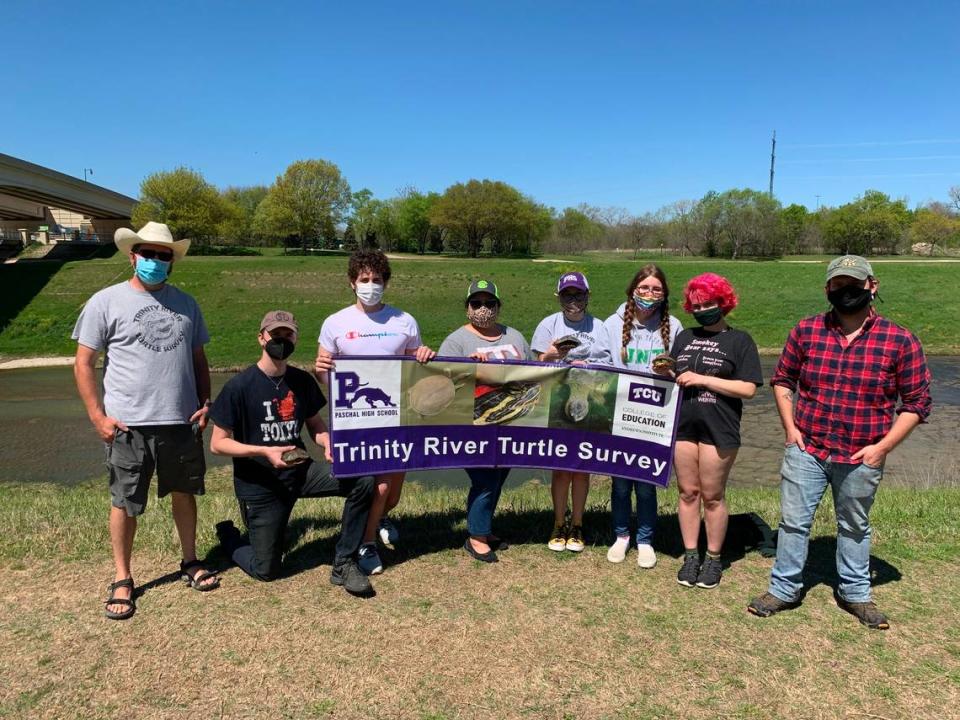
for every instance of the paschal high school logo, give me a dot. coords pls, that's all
(646, 394)
(350, 391)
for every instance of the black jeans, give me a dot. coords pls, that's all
(266, 515)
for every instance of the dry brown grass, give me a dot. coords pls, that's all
(536, 636)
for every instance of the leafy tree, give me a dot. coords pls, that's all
(241, 207)
(480, 211)
(872, 223)
(934, 230)
(184, 200)
(307, 202)
(794, 222)
(574, 231)
(413, 220)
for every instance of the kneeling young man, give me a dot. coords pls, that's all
(257, 420)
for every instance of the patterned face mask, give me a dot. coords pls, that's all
(483, 317)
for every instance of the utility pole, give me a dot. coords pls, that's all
(773, 157)
(818, 203)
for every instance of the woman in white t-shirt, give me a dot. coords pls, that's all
(370, 327)
(574, 336)
(641, 329)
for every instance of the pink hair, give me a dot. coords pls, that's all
(709, 286)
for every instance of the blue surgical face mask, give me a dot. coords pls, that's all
(152, 272)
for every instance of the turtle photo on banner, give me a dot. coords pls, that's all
(393, 413)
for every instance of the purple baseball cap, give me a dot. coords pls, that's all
(573, 280)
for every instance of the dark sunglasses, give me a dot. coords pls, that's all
(477, 304)
(164, 255)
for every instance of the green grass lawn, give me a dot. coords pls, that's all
(40, 301)
(537, 635)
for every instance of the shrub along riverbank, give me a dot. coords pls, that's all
(40, 301)
(538, 635)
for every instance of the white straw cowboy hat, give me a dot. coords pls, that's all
(153, 233)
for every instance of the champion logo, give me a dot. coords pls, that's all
(352, 335)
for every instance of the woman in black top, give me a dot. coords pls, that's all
(718, 367)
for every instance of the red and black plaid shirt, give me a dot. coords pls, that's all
(847, 392)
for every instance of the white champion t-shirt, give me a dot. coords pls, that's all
(388, 331)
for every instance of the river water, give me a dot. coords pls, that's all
(47, 437)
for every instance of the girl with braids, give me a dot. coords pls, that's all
(639, 330)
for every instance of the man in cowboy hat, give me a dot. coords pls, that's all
(156, 390)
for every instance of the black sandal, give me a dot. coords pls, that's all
(131, 605)
(197, 582)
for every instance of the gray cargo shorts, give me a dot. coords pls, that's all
(175, 452)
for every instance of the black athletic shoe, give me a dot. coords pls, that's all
(351, 578)
(689, 571)
(710, 573)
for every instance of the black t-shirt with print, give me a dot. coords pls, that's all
(730, 354)
(261, 410)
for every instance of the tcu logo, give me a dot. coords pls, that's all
(646, 394)
(350, 390)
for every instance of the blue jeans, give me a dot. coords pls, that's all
(485, 487)
(804, 479)
(620, 502)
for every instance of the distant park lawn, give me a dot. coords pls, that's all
(41, 300)
(538, 635)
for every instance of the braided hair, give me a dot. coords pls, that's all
(629, 312)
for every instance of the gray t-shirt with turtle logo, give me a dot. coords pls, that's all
(148, 339)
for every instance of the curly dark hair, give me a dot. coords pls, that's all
(372, 260)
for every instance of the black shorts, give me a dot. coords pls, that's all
(695, 427)
(175, 452)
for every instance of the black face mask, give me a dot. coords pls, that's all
(708, 317)
(279, 348)
(849, 299)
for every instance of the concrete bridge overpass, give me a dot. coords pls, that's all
(32, 196)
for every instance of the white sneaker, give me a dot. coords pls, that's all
(618, 551)
(387, 532)
(646, 557)
(369, 560)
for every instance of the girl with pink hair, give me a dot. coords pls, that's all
(718, 367)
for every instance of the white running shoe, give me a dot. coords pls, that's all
(387, 532)
(369, 560)
(646, 557)
(618, 551)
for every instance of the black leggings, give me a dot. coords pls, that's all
(266, 515)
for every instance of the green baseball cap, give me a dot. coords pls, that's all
(850, 265)
(486, 286)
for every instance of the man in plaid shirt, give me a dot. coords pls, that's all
(848, 367)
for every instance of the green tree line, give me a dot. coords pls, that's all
(311, 205)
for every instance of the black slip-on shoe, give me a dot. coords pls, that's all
(487, 557)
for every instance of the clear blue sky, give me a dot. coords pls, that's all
(632, 104)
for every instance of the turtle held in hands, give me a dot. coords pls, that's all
(662, 363)
(295, 456)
